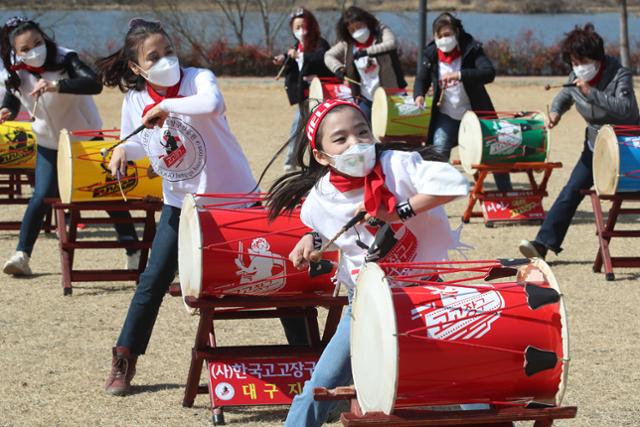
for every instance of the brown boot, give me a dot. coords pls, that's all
(123, 368)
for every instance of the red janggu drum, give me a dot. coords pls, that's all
(323, 89)
(226, 246)
(463, 338)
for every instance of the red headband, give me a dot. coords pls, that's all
(316, 117)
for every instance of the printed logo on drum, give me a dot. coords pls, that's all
(20, 146)
(109, 185)
(177, 151)
(508, 138)
(460, 313)
(261, 271)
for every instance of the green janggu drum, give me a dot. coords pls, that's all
(512, 138)
(395, 114)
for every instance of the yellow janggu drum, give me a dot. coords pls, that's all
(17, 146)
(84, 176)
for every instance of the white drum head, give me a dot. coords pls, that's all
(606, 162)
(379, 113)
(65, 167)
(551, 279)
(190, 250)
(374, 342)
(315, 93)
(470, 141)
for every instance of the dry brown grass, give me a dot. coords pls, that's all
(55, 351)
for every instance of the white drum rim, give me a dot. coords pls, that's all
(379, 113)
(564, 333)
(315, 91)
(606, 162)
(470, 141)
(190, 250)
(64, 163)
(372, 281)
(541, 116)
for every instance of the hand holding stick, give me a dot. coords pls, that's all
(350, 80)
(549, 87)
(316, 256)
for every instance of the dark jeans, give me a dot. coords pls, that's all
(46, 185)
(445, 137)
(558, 219)
(155, 281)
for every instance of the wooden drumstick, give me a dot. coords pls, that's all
(35, 107)
(549, 87)
(441, 97)
(316, 255)
(118, 176)
(350, 80)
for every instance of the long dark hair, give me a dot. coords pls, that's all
(288, 191)
(14, 27)
(312, 38)
(355, 14)
(114, 69)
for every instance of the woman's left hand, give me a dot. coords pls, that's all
(584, 87)
(155, 117)
(43, 86)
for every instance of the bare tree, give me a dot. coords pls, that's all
(269, 8)
(624, 34)
(235, 11)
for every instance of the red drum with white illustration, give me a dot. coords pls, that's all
(226, 246)
(426, 334)
(323, 89)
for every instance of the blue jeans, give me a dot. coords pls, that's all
(153, 285)
(332, 370)
(558, 219)
(445, 137)
(290, 159)
(365, 105)
(46, 185)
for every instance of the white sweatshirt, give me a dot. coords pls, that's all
(56, 111)
(194, 151)
(426, 237)
(456, 102)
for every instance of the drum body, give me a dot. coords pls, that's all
(616, 161)
(510, 139)
(395, 114)
(84, 176)
(449, 343)
(17, 146)
(325, 89)
(226, 248)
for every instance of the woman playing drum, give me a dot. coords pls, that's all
(603, 94)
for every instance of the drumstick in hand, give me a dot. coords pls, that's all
(316, 256)
(549, 87)
(106, 150)
(118, 177)
(350, 80)
(35, 107)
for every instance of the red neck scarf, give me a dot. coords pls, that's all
(366, 44)
(300, 47)
(375, 192)
(594, 82)
(449, 57)
(172, 92)
(22, 66)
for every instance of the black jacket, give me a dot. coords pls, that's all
(476, 71)
(313, 64)
(81, 80)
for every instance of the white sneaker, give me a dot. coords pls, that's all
(289, 168)
(18, 265)
(132, 261)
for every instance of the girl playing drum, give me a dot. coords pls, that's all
(366, 53)
(301, 64)
(346, 172)
(602, 91)
(457, 67)
(189, 143)
(56, 86)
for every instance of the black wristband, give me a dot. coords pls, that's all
(405, 211)
(317, 240)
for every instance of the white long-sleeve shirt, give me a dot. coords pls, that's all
(426, 237)
(194, 151)
(456, 102)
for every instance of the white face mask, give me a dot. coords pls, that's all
(299, 34)
(165, 72)
(586, 72)
(35, 57)
(446, 44)
(361, 35)
(357, 161)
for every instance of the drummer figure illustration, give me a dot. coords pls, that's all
(266, 270)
